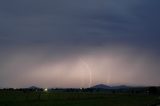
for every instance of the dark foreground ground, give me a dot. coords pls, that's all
(19, 98)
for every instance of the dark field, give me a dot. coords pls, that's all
(18, 98)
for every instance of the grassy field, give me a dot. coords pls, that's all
(17, 98)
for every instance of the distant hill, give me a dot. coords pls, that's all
(102, 86)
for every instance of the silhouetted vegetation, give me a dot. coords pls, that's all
(136, 96)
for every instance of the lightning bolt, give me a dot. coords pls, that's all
(89, 71)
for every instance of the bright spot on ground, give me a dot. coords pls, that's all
(45, 89)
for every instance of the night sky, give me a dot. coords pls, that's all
(79, 43)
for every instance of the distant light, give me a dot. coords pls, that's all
(45, 89)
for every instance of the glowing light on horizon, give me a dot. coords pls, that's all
(46, 89)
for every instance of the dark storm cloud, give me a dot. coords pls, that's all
(88, 21)
(50, 29)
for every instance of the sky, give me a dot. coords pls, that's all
(79, 43)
